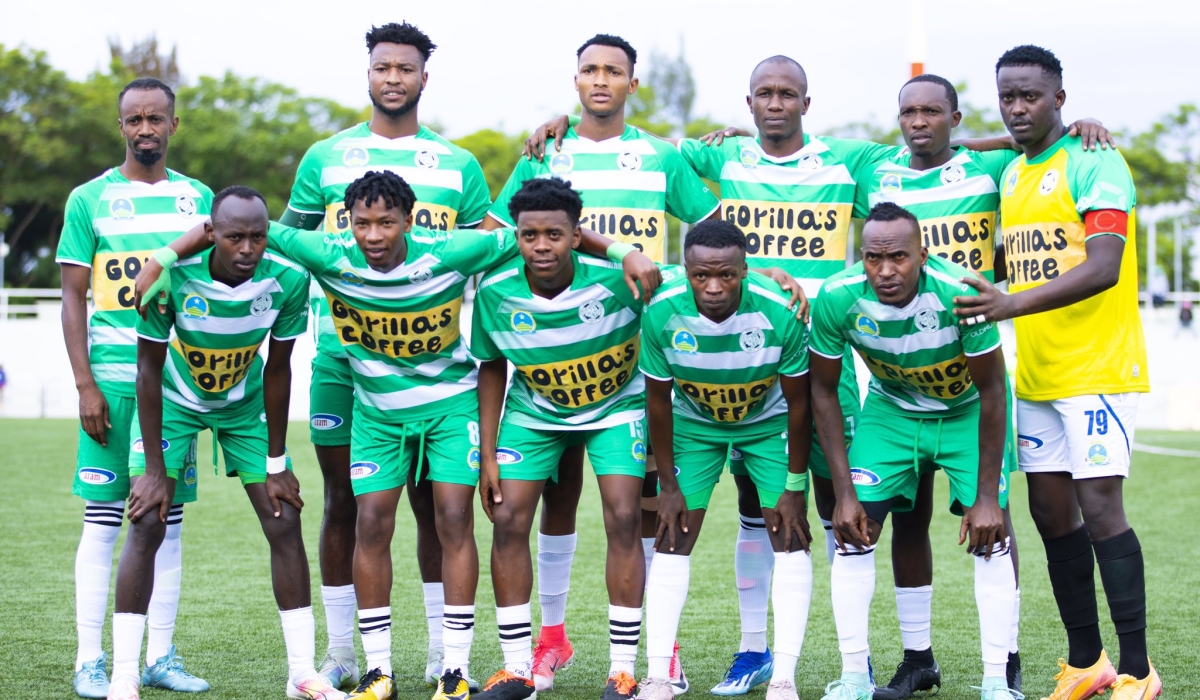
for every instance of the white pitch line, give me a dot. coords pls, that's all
(1167, 451)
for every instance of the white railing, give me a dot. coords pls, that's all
(25, 303)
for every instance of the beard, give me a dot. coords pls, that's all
(147, 158)
(397, 112)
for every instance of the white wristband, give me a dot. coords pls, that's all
(276, 465)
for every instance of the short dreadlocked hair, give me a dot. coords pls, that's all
(237, 192)
(385, 185)
(951, 93)
(546, 194)
(400, 33)
(1030, 55)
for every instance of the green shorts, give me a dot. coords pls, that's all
(701, 452)
(532, 454)
(102, 473)
(240, 430)
(892, 449)
(381, 454)
(330, 401)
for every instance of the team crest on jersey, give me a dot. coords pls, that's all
(752, 340)
(562, 163)
(427, 159)
(639, 451)
(473, 459)
(591, 312)
(185, 205)
(749, 157)
(361, 470)
(927, 320)
(952, 173)
(864, 477)
(356, 157)
(1011, 184)
(1097, 454)
(96, 476)
(1049, 182)
(261, 304)
(505, 455)
(683, 341)
(195, 306)
(522, 322)
(189, 476)
(1003, 484)
(121, 208)
(890, 183)
(351, 278)
(809, 161)
(139, 448)
(865, 325)
(629, 161)
(421, 275)
(325, 421)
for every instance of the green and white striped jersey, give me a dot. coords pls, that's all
(917, 354)
(725, 372)
(213, 360)
(449, 184)
(795, 211)
(112, 225)
(955, 204)
(629, 183)
(400, 329)
(575, 355)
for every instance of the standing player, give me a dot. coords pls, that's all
(570, 328)
(112, 224)
(936, 399)
(199, 368)
(451, 191)
(1068, 228)
(629, 182)
(735, 356)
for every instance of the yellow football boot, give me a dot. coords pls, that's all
(1083, 683)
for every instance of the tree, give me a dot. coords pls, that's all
(497, 154)
(675, 88)
(143, 60)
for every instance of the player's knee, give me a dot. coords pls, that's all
(623, 519)
(455, 523)
(147, 534)
(374, 526)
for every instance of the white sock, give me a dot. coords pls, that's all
(128, 629)
(914, 606)
(164, 601)
(648, 552)
(853, 583)
(339, 602)
(752, 562)
(555, 554)
(624, 629)
(299, 637)
(830, 540)
(995, 596)
(669, 578)
(375, 627)
(458, 631)
(435, 600)
(93, 569)
(791, 595)
(515, 624)
(1016, 624)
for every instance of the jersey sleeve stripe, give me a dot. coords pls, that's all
(982, 352)
(71, 261)
(825, 355)
(657, 379)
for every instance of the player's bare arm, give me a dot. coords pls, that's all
(277, 390)
(849, 518)
(152, 491)
(93, 407)
(791, 512)
(1097, 274)
(983, 522)
(492, 377)
(193, 242)
(672, 508)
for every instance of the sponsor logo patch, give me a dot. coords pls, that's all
(189, 476)
(195, 306)
(952, 173)
(121, 208)
(355, 157)
(421, 275)
(325, 421)
(1049, 182)
(1003, 484)
(629, 161)
(562, 163)
(890, 183)
(1097, 454)
(749, 157)
(809, 161)
(351, 278)
(473, 458)
(683, 341)
(735, 453)
(927, 320)
(261, 304)
(361, 470)
(185, 205)
(864, 477)
(866, 325)
(591, 312)
(1011, 184)
(752, 340)
(522, 322)
(426, 159)
(639, 451)
(96, 476)
(505, 455)
(1028, 442)
(141, 449)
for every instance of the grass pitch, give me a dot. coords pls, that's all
(228, 628)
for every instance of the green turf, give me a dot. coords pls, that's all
(228, 629)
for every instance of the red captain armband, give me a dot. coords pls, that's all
(1105, 221)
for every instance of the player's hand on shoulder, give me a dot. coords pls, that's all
(286, 488)
(716, 138)
(791, 518)
(535, 145)
(798, 300)
(1092, 133)
(989, 305)
(93, 413)
(641, 271)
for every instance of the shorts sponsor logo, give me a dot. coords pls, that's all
(421, 275)
(505, 455)
(683, 341)
(426, 159)
(522, 322)
(261, 304)
(676, 470)
(927, 320)
(866, 325)
(1028, 442)
(809, 161)
(473, 458)
(952, 173)
(141, 449)
(189, 476)
(639, 451)
(591, 312)
(355, 157)
(361, 470)
(262, 417)
(121, 208)
(325, 421)
(96, 476)
(864, 477)
(749, 157)
(1011, 184)
(562, 163)
(752, 340)
(1097, 454)
(185, 205)
(735, 453)
(195, 306)
(1049, 182)
(351, 278)
(891, 184)
(629, 161)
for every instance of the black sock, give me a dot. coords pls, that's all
(1072, 566)
(922, 658)
(1123, 574)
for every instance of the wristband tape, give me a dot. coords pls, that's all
(617, 251)
(796, 482)
(276, 465)
(165, 256)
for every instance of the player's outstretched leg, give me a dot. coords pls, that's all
(454, 505)
(372, 589)
(340, 665)
(429, 562)
(553, 651)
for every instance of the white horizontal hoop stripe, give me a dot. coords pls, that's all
(557, 337)
(145, 223)
(498, 278)
(163, 188)
(640, 180)
(736, 323)
(107, 335)
(345, 174)
(612, 145)
(383, 143)
(977, 186)
(885, 312)
(723, 361)
(114, 372)
(664, 294)
(417, 396)
(765, 174)
(378, 368)
(436, 285)
(586, 420)
(218, 291)
(567, 299)
(913, 342)
(222, 325)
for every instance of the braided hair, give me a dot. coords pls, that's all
(385, 185)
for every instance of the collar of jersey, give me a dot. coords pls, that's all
(422, 132)
(577, 281)
(1049, 152)
(961, 156)
(115, 173)
(811, 145)
(572, 134)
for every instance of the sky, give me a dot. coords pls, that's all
(509, 65)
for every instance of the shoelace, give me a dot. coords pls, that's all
(501, 676)
(623, 683)
(451, 679)
(843, 689)
(898, 680)
(999, 693)
(175, 664)
(95, 674)
(372, 676)
(742, 665)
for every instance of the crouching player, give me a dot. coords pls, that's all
(222, 304)
(735, 355)
(936, 400)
